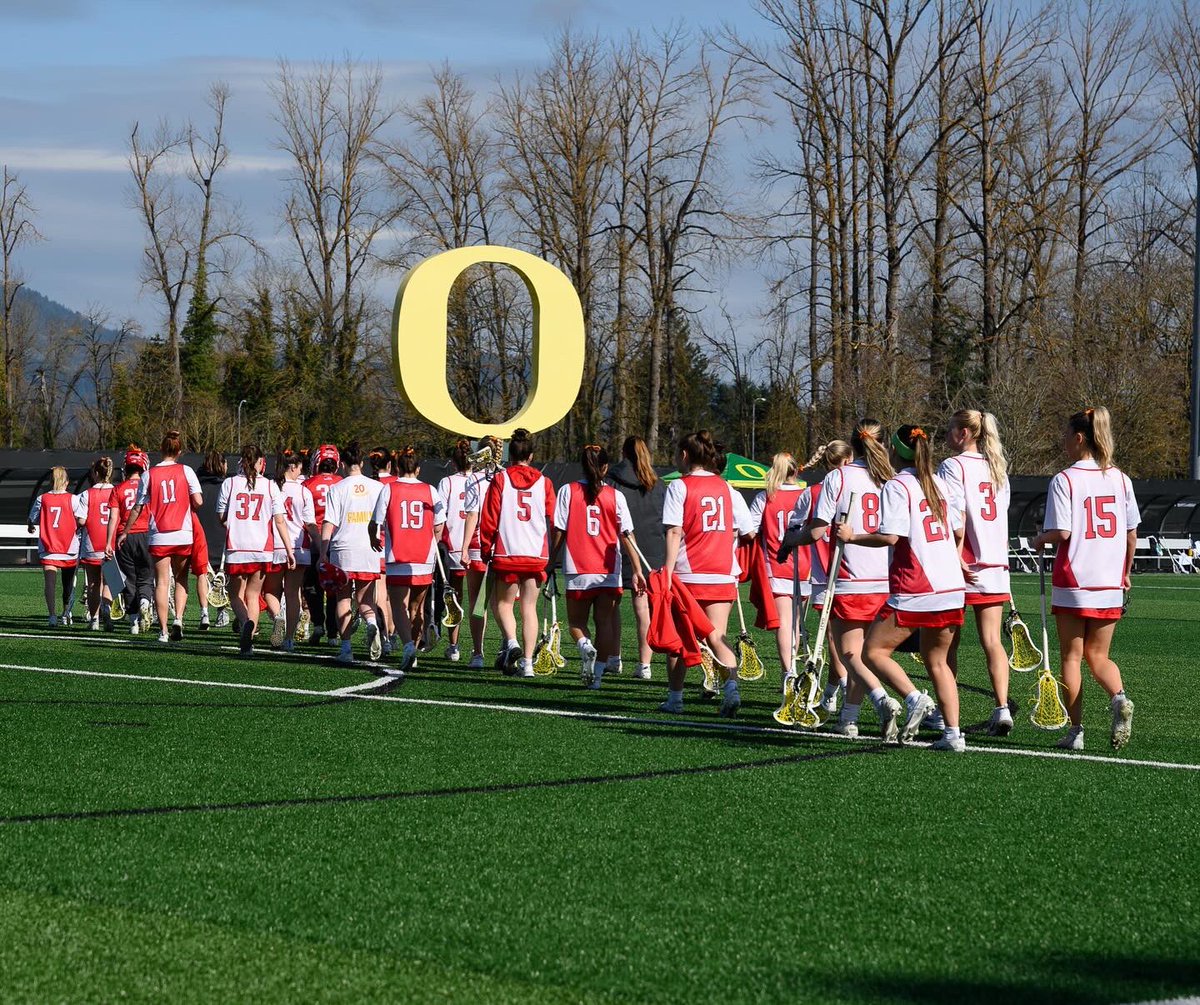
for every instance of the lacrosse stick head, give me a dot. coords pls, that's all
(1049, 712)
(1025, 656)
(708, 664)
(304, 626)
(454, 612)
(544, 664)
(116, 610)
(555, 645)
(218, 594)
(808, 691)
(785, 714)
(750, 666)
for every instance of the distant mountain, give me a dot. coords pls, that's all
(47, 312)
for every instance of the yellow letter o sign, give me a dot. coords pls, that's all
(419, 336)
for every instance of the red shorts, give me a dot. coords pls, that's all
(199, 554)
(1092, 613)
(477, 566)
(858, 606)
(58, 563)
(271, 568)
(713, 593)
(425, 579)
(987, 599)
(925, 619)
(596, 591)
(505, 576)
(363, 577)
(170, 551)
(95, 563)
(246, 568)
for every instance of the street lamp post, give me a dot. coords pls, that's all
(753, 426)
(239, 424)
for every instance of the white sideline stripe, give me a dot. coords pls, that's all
(1190, 1000)
(363, 694)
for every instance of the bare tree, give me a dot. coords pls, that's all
(101, 350)
(16, 230)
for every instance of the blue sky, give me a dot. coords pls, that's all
(76, 74)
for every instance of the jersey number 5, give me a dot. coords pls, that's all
(524, 509)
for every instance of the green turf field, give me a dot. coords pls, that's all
(459, 839)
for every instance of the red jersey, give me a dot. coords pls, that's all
(166, 490)
(711, 516)
(515, 522)
(97, 503)
(124, 499)
(592, 556)
(771, 517)
(409, 512)
(56, 515)
(319, 486)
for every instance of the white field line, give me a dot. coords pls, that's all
(562, 713)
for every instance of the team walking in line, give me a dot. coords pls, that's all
(912, 545)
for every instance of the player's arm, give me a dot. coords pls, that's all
(629, 543)
(674, 539)
(469, 525)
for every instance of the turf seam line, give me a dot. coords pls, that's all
(501, 788)
(604, 717)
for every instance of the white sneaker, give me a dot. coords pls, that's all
(374, 646)
(731, 700)
(408, 656)
(957, 745)
(614, 669)
(278, 631)
(1122, 721)
(223, 618)
(642, 672)
(587, 663)
(94, 625)
(888, 715)
(68, 618)
(476, 662)
(135, 627)
(672, 705)
(842, 728)
(935, 720)
(829, 704)
(345, 654)
(525, 668)
(144, 614)
(1001, 723)
(453, 655)
(163, 639)
(916, 715)
(387, 645)
(1073, 740)
(176, 631)
(205, 624)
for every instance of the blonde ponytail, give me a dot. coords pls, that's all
(783, 468)
(829, 455)
(984, 430)
(58, 479)
(867, 441)
(1096, 426)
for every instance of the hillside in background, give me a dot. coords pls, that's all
(49, 313)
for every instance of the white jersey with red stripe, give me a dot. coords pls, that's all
(592, 546)
(477, 485)
(820, 551)
(96, 503)
(863, 569)
(712, 516)
(409, 512)
(249, 513)
(166, 489)
(984, 507)
(299, 510)
(56, 516)
(452, 495)
(1099, 509)
(925, 573)
(350, 507)
(523, 517)
(772, 517)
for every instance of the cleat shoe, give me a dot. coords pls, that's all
(408, 656)
(452, 654)
(288, 646)
(706, 694)
(587, 664)
(1122, 721)
(223, 618)
(246, 639)
(525, 668)
(278, 631)
(144, 614)
(888, 716)
(476, 662)
(642, 672)
(841, 728)
(68, 619)
(1001, 723)
(957, 744)
(345, 654)
(916, 715)
(731, 700)
(52, 622)
(934, 720)
(1073, 740)
(176, 632)
(672, 705)
(374, 645)
(614, 669)
(135, 627)
(94, 625)
(500, 663)
(316, 637)
(204, 622)
(163, 640)
(512, 661)
(829, 703)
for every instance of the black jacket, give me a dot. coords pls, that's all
(645, 508)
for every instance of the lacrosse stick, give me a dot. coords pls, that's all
(114, 579)
(750, 667)
(1025, 655)
(1049, 712)
(453, 616)
(546, 661)
(218, 592)
(785, 714)
(304, 625)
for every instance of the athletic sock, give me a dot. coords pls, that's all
(585, 641)
(1119, 696)
(676, 696)
(849, 713)
(829, 691)
(878, 696)
(950, 732)
(911, 699)
(643, 666)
